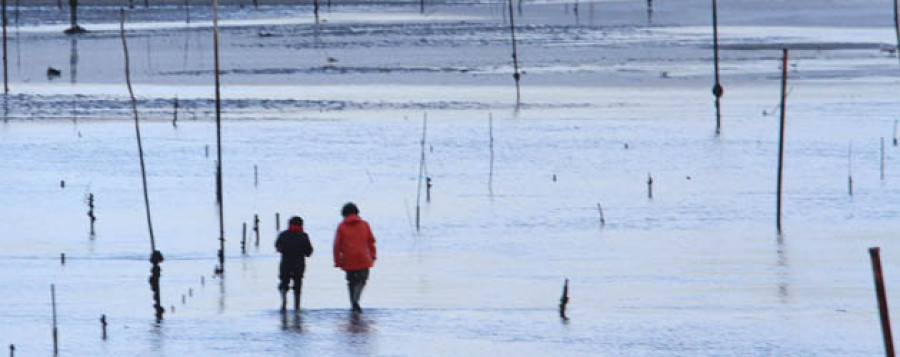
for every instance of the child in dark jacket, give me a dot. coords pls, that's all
(294, 246)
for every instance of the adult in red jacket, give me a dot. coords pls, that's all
(354, 251)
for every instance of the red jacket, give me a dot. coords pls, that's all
(354, 244)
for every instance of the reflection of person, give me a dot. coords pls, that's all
(354, 251)
(294, 246)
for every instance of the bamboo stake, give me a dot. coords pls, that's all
(5, 68)
(55, 331)
(421, 173)
(221, 268)
(155, 256)
(875, 254)
(717, 90)
(516, 74)
(784, 73)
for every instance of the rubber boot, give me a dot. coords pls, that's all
(283, 294)
(297, 299)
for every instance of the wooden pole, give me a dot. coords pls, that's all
(219, 193)
(5, 68)
(187, 10)
(717, 90)
(55, 331)
(155, 256)
(277, 222)
(649, 186)
(421, 6)
(255, 176)
(875, 254)
(512, 30)
(784, 72)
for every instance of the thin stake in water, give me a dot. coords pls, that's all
(219, 194)
(875, 255)
(564, 300)
(602, 218)
(5, 70)
(512, 30)
(850, 170)
(784, 73)
(156, 256)
(421, 173)
(717, 89)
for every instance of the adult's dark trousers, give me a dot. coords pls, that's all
(356, 281)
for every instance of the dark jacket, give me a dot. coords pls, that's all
(294, 246)
(354, 244)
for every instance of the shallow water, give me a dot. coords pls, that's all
(696, 270)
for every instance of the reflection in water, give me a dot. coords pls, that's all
(156, 336)
(73, 59)
(294, 324)
(221, 294)
(783, 271)
(358, 324)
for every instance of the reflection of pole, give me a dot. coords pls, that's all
(221, 268)
(875, 254)
(717, 90)
(491, 169)
(55, 331)
(155, 255)
(784, 63)
(512, 31)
